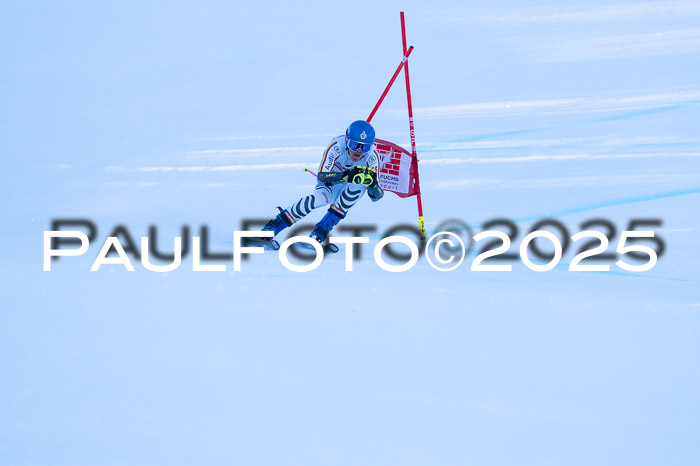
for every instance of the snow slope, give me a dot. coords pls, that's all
(173, 115)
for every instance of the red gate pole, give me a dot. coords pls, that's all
(404, 62)
(412, 128)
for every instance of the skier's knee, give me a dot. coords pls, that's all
(350, 196)
(321, 199)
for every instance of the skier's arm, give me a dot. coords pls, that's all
(374, 191)
(330, 155)
(357, 175)
(331, 177)
(373, 160)
(367, 177)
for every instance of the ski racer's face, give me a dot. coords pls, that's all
(355, 155)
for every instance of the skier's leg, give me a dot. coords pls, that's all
(321, 196)
(347, 197)
(280, 222)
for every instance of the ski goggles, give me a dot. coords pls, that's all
(355, 145)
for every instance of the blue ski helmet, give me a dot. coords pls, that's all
(360, 134)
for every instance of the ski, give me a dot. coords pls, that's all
(330, 248)
(267, 243)
(272, 245)
(327, 248)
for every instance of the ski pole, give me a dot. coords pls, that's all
(309, 171)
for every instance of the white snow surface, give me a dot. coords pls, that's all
(205, 113)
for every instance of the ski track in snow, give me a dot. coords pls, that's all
(635, 106)
(565, 14)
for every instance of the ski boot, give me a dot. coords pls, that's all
(283, 220)
(331, 219)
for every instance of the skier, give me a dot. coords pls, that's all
(350, 166)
